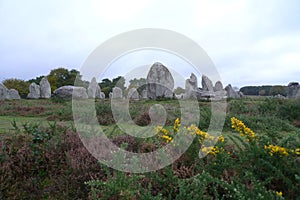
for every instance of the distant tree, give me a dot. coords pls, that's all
(139, 84)
(37, 80)
(61, 76)
(267, 89)
(179, 90)
(262, 92)
(250, 90)
(105, 83)
(119, 82)
(278, 89)
(18, 84)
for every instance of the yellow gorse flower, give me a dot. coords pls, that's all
(273, 149)
(239, 126)
(279, 193)
(176, 125)
(193, 130)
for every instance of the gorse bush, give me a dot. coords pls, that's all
(239, 166)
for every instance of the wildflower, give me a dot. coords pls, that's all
(221, 138)
(273, 149)
(176, 125)
(297, 151)
(279, 193)
(239, 126)
(212, 150)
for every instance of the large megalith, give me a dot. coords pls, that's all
(45, 88)
(34, 91)
(160, 82)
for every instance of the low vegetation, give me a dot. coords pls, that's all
(256, 157)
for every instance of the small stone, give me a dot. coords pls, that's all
(13, 94)
(94, 89)
(133, 94)
(3, 92)
(207, 84)
(45, 89)
(69, 91)
(34, 91)
(117, 93)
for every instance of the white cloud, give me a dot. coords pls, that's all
(119, 10)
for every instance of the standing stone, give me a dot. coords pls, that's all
(293, 90)
(231, 93)
(133, 94)
(191, 87)
(45, 88)
(117, 93)
(102, 95)
(34, 91)
(207, 84)
(13, 94)
(218, 86)
(3, 92)
(144, 94)
(160, 82)
(69, 91)
(94, 89)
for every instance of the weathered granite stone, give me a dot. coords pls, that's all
(293, 90)
(102, 95)
(117, 93)
(218, 86)
(144, 94)
(160, 82)
(69, 91)
(191, 87)
(231, 93)
(110, 95)
(45, 89)
(207, 84)
(3, 92)
(34, 91)
(133, 94)
(13, 94)
(94, 89)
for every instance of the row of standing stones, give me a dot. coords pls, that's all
(159, 84)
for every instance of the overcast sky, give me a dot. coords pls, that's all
(251, 42)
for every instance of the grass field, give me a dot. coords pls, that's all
(42, 157)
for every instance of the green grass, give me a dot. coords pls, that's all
(58, 156)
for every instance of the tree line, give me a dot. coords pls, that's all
(60, 77)
(265, 90)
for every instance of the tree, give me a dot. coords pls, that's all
(18, 84)
(278, 89)
(107, 85)
(139, 84)
(119, 82)
(179, 90)
(61, 76)
(37, 80)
